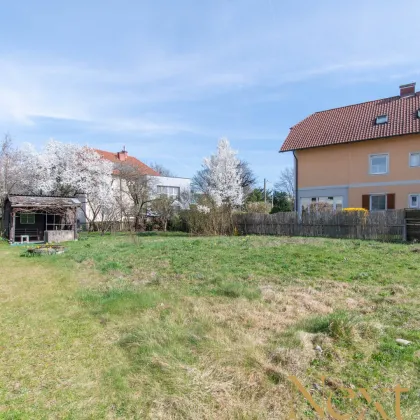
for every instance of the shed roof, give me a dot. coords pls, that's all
(39, 201)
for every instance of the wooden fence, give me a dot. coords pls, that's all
(412, 220)
(384, 226)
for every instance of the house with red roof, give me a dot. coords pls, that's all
(364, 155)
(175, 188)
(123, 156)
(170, 186)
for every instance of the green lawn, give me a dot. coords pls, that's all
(177, 327)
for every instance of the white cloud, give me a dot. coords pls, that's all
(243, 45)
(138, 125)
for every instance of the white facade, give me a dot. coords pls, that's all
(174, 187)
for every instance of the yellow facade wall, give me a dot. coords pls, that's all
(401, 194)
(349, 163)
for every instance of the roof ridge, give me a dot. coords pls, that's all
(365, 102)
(101, 150)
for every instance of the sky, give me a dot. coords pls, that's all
(168, 78)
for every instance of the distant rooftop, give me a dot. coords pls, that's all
(124, 157)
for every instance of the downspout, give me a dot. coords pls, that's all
(296, 206)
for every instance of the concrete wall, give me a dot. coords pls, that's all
(58, 236)
(344, 170)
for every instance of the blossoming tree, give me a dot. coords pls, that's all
(65, 169)
(225, 176)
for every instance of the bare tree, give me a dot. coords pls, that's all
(248, 179)
(286, 182)
(107, 217)
(138, 188)
(164, 207)
(162, 170)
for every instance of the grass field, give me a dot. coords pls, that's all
(177, 327)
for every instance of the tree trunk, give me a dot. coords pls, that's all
(12, 227)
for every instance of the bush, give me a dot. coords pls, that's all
(258, 207)
(355, 209)
(176, 223)
(206, 218)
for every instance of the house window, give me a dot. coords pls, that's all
(414, 159)
(27, 218)
(382, 119)
(338, 203)
(413, 201)
(378, 164)
(378, 202)
(171, 192)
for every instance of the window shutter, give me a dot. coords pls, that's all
(390, 201)
(365, 201)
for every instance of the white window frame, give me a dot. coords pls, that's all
(409, 201)
(176, 197)
(409, 160)
(370, 163)
(381, 119)
(375, 195)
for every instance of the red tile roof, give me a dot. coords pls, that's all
(356, 123)
(113, 157)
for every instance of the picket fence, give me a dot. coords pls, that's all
(382, 225)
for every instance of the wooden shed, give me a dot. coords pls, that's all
(40, 219)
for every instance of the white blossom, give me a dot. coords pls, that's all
(225, 176)
(68, 169)
(203, 209)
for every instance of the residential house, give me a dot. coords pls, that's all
(364, 155)
(172, 187)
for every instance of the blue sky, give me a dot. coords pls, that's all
(168, 78)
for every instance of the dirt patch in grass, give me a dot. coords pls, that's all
(228, 355)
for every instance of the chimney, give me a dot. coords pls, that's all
(407, 90)
(122, 156)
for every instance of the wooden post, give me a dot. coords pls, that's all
(265, 191)
(12, 227)
(75, 223)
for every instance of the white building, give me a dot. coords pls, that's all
(174, 187)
